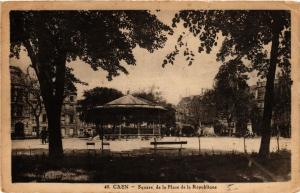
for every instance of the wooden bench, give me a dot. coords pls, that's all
(90, 144)
(158, 143)
(93, 144)
(105, 144)
(105, 150)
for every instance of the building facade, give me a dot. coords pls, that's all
(281, 115)
(193, 111)
(23, 122)
(259, 90)
(20, 116)
(184, 112)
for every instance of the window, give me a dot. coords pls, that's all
(80, 131)
(71, 118)
(71, 131)
(44, 118)
(12, 110)
(13, 94)
(63, 131)
(72, 98)
(19, 110)
(19, 95)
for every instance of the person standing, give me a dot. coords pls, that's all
(46, 136)
(43, 136)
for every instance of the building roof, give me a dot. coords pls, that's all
(129, 101)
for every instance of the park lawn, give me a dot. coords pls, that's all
(87, 167)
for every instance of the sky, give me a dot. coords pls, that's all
(173, 81)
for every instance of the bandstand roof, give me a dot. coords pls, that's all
(129, 101)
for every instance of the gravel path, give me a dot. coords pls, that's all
(208, 143)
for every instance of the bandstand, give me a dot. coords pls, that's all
(129, 116)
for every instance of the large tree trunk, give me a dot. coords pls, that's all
(51, 85)
(268, 100)
(53, 109)
(52, 94)
(54, 129)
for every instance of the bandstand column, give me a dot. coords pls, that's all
(159, 124)
(138, 127)
(159, 129)
(153, 129)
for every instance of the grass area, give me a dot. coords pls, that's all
(87, 167)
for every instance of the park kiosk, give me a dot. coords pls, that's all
(129, 116)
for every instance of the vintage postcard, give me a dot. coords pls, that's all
(150, 97)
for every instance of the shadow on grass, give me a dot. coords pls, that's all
(94, 168)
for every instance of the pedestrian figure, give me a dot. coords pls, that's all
(44, 136)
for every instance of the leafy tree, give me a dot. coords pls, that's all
(101, 39)
(202, 108)
(155, 96)
(209, 102)
(169, 117)
(232, 94)
(70, 81)
(97, 96)
(255, 117)
(260, 37)
(196, 110)
(282, 107)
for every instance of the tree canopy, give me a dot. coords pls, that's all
(258, 37)
(247, 35)
(99, 38)
(97, 96)
(232, 94)
(282, 105)
(155, 96)
(102, 39)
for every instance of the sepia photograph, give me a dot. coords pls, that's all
(150, 96)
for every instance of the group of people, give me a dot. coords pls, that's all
(44, 136)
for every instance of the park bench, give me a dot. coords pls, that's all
(105, 150)
(90, 144)
(159, 143)
(93, 144)
(106, 144)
